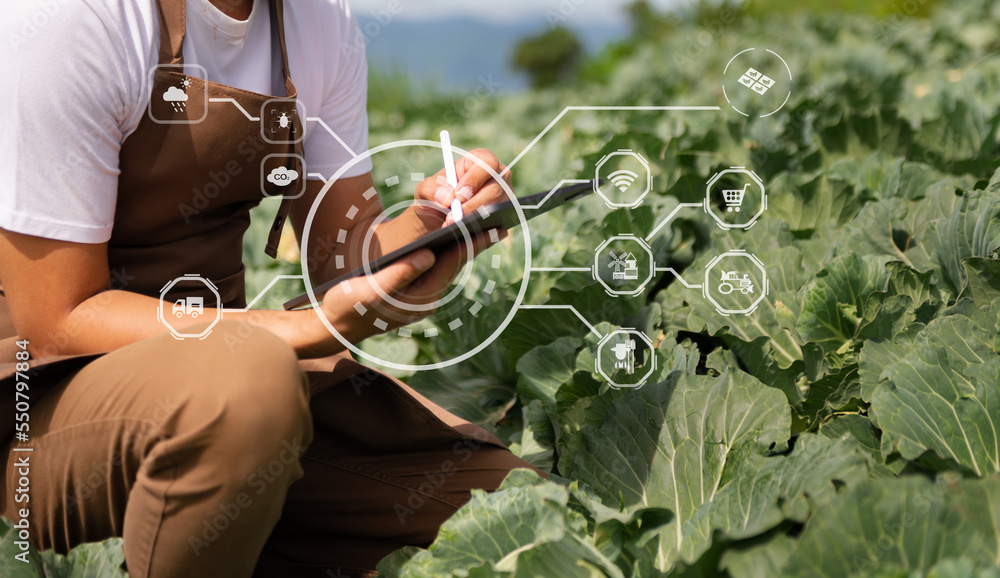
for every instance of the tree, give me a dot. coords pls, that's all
(549, 57)
(646, 22)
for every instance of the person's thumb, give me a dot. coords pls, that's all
(397, 276)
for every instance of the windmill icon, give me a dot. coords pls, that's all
(625, 266)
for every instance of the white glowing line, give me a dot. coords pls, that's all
(262, 292)
(237, 105)
(623, 108)
(570, 308)
(677, 275)
(561, 184)
(335, 136)
(669, 217)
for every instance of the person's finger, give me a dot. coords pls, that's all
(472, 176)
(505, 174)
(425, 188)
(459, 254)
(435, 282)
(391, 279)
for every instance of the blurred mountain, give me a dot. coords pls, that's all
(462, 54)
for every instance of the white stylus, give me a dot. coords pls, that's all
(450, 175)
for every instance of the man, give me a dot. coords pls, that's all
(117, 116)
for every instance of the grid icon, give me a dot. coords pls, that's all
(756, 81)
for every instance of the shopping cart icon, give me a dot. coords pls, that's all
(734, 198)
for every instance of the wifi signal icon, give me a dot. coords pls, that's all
(623, 179)
(634, 184)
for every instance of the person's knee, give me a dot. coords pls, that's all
(247, 396)
(264, 388)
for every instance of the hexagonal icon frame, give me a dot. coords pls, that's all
(200, 74)
(705, 288)
(598, 179)
(301, 112)
(708, 197)
(218, 310)
(617, 292)
(652, 357)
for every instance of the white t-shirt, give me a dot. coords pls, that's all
(74, 83)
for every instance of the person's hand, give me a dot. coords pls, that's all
(476, 187)
(357, 310)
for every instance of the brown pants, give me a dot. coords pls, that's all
(189, 450)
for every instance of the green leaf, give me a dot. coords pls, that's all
(674, 444)
(92, 560)
(466, 392)
(536, 441)
(899, 229)
(983, 277)
(834, 303)
(546, 368)
(860, 429)
(876, 355)
(758, 559)
(973, 230)
(758, 359)
(962, 568)
(765, 491)
(904, 525)
(943, 394)
(522, 528)
(815, 201)
(831, 393)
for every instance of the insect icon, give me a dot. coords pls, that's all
(284, 121)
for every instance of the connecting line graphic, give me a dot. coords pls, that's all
(263, 292)
(570, 308)
(676, 275)
(670, 217)
(561, 184)
(320, 122)
(315, 119)
(619, 108)
(237, 105)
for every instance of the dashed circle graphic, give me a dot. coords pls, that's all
(466, 271)
(454, 324)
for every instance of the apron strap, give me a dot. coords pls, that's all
(278, 19)
(278, 22)
(171, 31)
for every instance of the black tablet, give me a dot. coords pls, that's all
(496, 216)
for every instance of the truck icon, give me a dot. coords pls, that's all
(193, 306)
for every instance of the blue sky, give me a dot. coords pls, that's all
(580, 11)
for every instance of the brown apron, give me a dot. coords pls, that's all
(184, 194)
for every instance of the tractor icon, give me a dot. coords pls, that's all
(731, 282)
(193, 306)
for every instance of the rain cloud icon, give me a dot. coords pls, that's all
(176, 97)
(282, 176)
